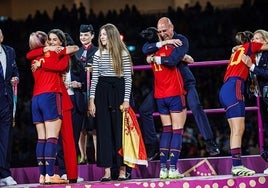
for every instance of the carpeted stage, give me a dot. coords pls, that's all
(212, 172)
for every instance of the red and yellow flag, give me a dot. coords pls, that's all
(133, 148)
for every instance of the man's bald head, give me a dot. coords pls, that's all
(164, 20)
(165, 28)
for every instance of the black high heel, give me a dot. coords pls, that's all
(122, 178)
(103, 179)
(83, 162)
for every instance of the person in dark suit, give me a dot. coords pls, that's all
(193, 102)
(9, 76)
(85, 57)
(260, 69)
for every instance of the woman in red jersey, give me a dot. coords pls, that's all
(170, 97)
(46, 102)
(232, 97)
(67, 156)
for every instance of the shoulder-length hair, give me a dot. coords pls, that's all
(263, 33)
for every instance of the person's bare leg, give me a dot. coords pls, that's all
(122, 172)
(82, 147)
(94, 136)
(107, 175)
(237, 127)
(53, 128)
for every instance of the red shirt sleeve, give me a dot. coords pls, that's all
(32, 54)
(59, 66)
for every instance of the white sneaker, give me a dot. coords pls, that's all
(2, 183)
(242, 171)
(163, 173)
(265, 171)
(7, 181)
(79, 179)
(174, 174)
(64, 176)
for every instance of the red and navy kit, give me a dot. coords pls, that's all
(68, 144)
(47, 85)
(55, 64)
(236, 67)
(231, 94)
(52, 79)
(167, 79)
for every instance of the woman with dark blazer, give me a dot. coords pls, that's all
(85, 57)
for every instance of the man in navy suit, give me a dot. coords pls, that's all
(9, 76)
(193, 102)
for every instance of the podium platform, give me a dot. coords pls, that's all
(211, 172)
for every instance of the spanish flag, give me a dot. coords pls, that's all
(133, 148)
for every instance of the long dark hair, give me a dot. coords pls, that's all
(60, 34)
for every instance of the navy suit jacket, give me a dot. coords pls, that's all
(11, 71)
(80, 94)
(261, 70)
(176, 55)
(175, 59)
(90, 53)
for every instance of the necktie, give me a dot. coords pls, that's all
(84, 56)
(1, 70)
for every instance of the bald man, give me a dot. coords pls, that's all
(169, 36)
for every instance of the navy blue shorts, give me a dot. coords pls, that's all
(46, 107)
(232, 97)
(171, 104)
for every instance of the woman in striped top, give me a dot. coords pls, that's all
(110, 88)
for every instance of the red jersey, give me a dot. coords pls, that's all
(66, 100)
(236, 67)
(48, 80)
(167, 79)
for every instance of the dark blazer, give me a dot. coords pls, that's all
(91, 51)
(6, 107)
(11, 71)
(261, 70)
(79, 74)
(177, 54)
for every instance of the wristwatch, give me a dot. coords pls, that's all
(152, 58)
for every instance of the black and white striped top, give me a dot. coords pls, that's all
(102, 66)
